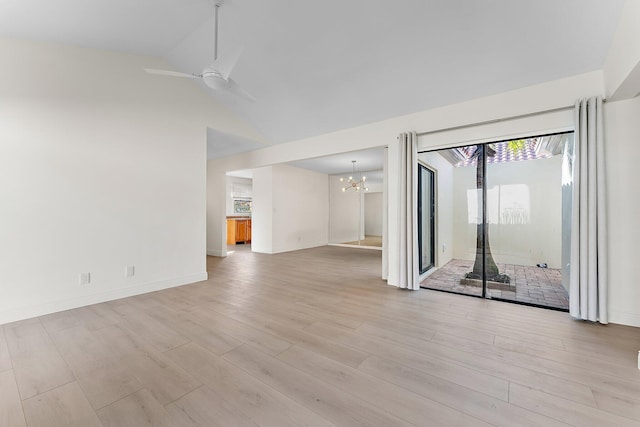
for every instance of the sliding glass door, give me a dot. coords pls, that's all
(499, 226)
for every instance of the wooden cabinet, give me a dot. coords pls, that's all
(241, 230)
(231, 231)
(238, 230)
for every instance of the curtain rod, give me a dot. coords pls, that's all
(503, 119)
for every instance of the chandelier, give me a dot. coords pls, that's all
(352, 183)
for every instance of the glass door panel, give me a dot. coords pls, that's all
(426, 212)
(524, 231)
(457, 213)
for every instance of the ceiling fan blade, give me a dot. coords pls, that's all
(226, 63)
(170, 73)
(233, 87)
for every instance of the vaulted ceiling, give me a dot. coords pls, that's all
(317, 67)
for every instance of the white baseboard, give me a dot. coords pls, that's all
(70, 303)
(622, 317)
(310, 245)
(342, 245)
(218, 253)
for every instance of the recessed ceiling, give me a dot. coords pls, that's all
(317, 67)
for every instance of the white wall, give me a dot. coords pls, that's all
(262, 207)
(373, 214)
(622, 133)
(290, 209)
(101, 167)
(231, 180)
(444, 204)
(539, 238)
(345, 214)
(375, 187)
(622, 66)
(546, 96)
(300, 209)
(216, 211)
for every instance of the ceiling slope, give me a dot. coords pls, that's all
(318, 67)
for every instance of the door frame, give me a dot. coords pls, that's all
(422, 167)
(484, 295)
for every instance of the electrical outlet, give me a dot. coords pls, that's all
(85, 278)
(130, 271)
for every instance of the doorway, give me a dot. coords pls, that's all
(239, 202)
(500, 209)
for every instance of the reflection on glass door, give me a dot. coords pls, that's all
(426, 211)
(500, 228)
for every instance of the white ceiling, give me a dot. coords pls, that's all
(370, 161)
(222, 144)
(317, 67)
(244, 173)
(150, 27)
(366, 160)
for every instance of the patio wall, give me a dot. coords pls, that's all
(532, 240)
(444, 205)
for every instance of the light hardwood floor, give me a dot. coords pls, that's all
(309, 338)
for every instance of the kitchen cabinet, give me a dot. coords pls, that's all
(238, 230)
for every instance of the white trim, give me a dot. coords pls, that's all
(342, 245)
(427, 273)
(553, 121)
(292, 248)
(55, 306)
(500, 138)
(497, 120)
(623, 317)
(213, 252)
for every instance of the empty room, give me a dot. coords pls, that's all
(276, 213)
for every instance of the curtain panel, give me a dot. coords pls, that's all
(588, 269)
(408, 212)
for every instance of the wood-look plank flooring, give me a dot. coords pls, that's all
(314, 338)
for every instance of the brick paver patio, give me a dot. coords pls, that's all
(535, 285)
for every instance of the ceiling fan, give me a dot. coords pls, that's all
(216, 75)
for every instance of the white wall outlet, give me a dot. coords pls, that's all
(85, 278)
(130, 271)
(444, 247)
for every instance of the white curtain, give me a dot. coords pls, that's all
(588, 271)
(407, 212)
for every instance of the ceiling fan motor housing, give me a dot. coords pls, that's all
(213, 79)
